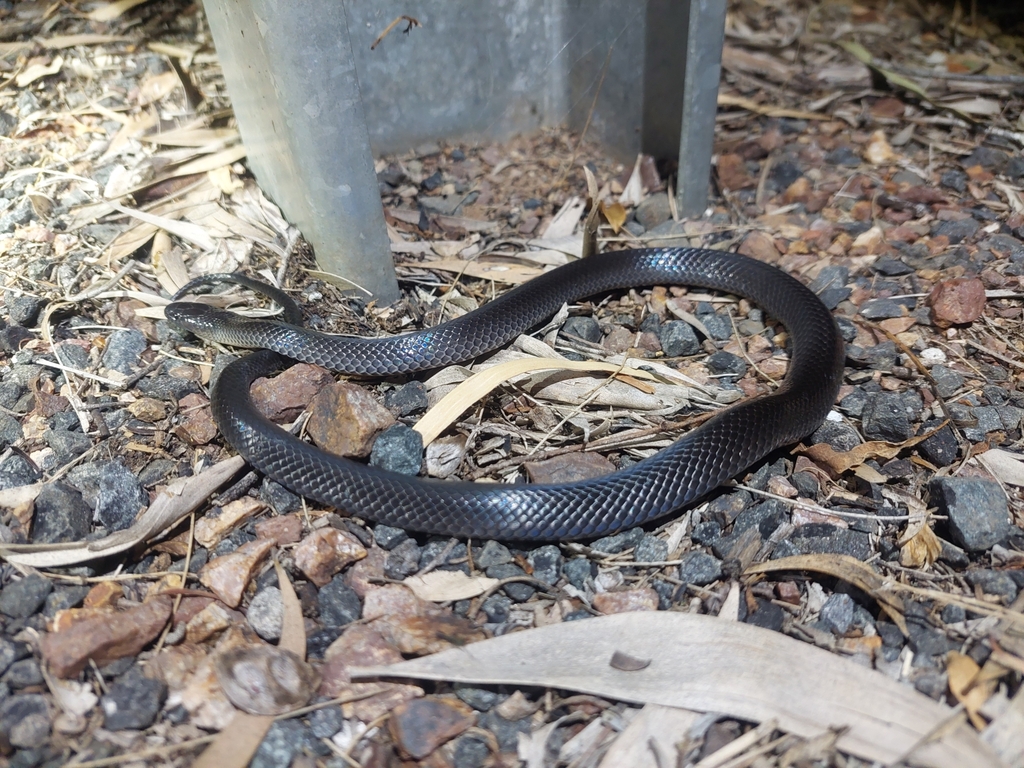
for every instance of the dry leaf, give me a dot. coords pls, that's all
(656, 729)
(844, 567)
(565, 221)
(111, 11)
(172, 503)
(36, 71)
(839, 462)
(963, 674)
(442, 586)
(633, 193)
(923, 548)
(1005, 466)
(614, 214)
(455, 403)
(709, 665)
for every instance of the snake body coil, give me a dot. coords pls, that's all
(685, 471)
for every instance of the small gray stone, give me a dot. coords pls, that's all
(67, 444)
(838, 434)
(388, 537)
(21, 598)
(670, 234)
(266, 613)
(10, 430)
(583, 327)
(837, 613)
(880, 309)
(678, 339)
(956, 231)
(726, 363)
(988, 419)
(954, 179)
(546, 562)
(718, 326)
(821, 538)
(651, 549)
(280, 498)
(339, 605)
(977, 510)
(398, 449)
(24, 310)
(947, 381)
(480, 699)
(471, 752)
(993, 583)
(403, 560)
(407, 399)
(112, 489)
(939, 448)
(124, 350)
(60, 515)
(517, 590)
(166, 387)
(653, 210)
(10, 652)
(24, 673)
(326, 722)
(63, 598)
(619, 542)
(885, 418)
(16, 471)
(19, 214)
(492, 553)
(279, 747)
(577, 570)
(497, 608)
(699, 568)
(24, 721)
(830, 276)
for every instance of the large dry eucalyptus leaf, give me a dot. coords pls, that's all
(705, 664)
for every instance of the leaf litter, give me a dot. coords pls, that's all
(868, 149)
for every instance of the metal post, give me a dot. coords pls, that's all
(292, 77)
(705, 35)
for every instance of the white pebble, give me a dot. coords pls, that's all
(932, 356)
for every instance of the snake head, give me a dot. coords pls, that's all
(192, 316)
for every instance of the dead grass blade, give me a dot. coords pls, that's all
(705, 664)
(455, 403)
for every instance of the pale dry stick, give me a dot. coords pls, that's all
(821, 510)
(104, 285)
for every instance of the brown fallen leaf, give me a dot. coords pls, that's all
(839, 462)
(844, 567)
(615, 215)
(965, 684)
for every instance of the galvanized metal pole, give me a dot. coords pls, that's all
(705, 35)
(292, 78)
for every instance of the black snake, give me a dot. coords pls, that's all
(697, 463)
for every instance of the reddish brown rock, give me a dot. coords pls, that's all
(227, 576)
(363, 646)
(957, 301)
(325, 552)
(568, 468)
(104, 638)
(345, 420)
(284, 397)
(361, 575)
(733, 173)
(286, 529)
(619, 340)
(760, 246)
(212, 619)
(197, 426)
(641, 599)
(430, 633)
(799, 191)
(420, 726)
